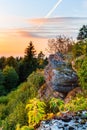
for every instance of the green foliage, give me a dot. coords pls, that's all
(82, 33)
(80, 48)
(27, 128)
(15, 101)
(41, 60)
(11, 77)
(37, 79)
(2, 62)
(1, 78)
(82, 73)
(18, 116)
(2, 111)
(29, 63)
(77, 104)
(14, 110)
(77, 50)
(36, 111)
(78, 63)
(11, 61)
(2, 88)
(80, 58)
(56, 105)
(3, 100)
(24, 127)
(18, 127)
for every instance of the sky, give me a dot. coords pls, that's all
(22, 21)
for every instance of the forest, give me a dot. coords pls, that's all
(22, 77)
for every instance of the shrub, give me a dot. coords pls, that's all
(3, 100)
(77, 104)
(24, 127)
(27, 128)
(56, 105)
(36, 78)
(82, 74)
(36, 111)
(18, 116)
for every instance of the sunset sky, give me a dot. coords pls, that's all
(22, 21)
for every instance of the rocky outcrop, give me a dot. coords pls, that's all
(46, 92)
(66, 122)
(58, 76)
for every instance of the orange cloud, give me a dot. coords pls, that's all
(38, 21)
(24, 33)
(32, 33)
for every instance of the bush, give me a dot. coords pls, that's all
(3, 100)
(79, 103)
(36, 78)
(82, 74)
(36, 111)
(56, 105)
(18, 116)
(24, 127)
(27, 128)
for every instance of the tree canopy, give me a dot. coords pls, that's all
(11, 77)
(82, 33)
(60, 44)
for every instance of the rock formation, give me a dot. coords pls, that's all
(59, 76)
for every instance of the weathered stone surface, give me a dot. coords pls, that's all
(66, 122)
(46, 92)
(59, 76)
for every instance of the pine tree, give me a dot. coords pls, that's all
(29, 63)
(82, 33)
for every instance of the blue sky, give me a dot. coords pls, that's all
(23, 20)
(14, 11)
(39, 8)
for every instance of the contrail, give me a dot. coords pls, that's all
(52, 10)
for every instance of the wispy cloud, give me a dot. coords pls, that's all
(30, 34)
(38, 21)
(52, 27)
(56, 26)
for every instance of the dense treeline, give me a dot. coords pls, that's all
(14, 71)
(21, 78)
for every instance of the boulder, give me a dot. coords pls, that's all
(59, 76)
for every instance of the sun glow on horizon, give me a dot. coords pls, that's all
(15, 45)
(21, 24)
